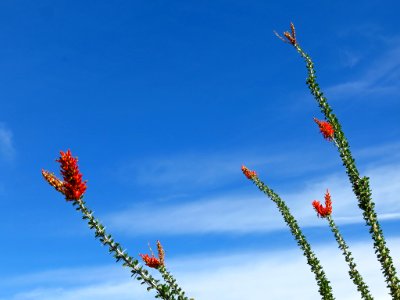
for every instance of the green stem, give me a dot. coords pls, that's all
(171, 281)
(119, 254)
(360, 185)
(354, 274)
(325, 289)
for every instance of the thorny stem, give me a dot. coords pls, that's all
(119, 254)
(175, 289)
(325, 289)
(360, 185)
(354, 274)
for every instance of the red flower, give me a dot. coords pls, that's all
(249, 174)
(326, 129)
(73, 187)
(323, 211)
(152, 261)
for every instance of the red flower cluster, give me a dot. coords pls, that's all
(249, 174)
(73, 187)
(152, 261)
(325, 128)
(323, 211)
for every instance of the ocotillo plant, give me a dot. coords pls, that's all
(73, 188)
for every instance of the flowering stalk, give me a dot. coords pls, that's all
(325, 212)
(325, 289)
(73, 189)
(360, 185)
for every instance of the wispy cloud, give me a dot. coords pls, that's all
(190, 171)
(105, 290)
(350, 59)
(280, 274)
(68, 276)
(187, 169)
(241, 213)
(284, 275)
(380, 78)
(377, 153)
(101, 282)
(7, 151)
(203, 171)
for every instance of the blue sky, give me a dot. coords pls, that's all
(163, 101)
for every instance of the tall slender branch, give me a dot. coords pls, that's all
(359, 184)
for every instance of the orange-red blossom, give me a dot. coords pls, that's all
(326, 129)
(323, 211)
(248, 173)
(152, 261)
(72, 187)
